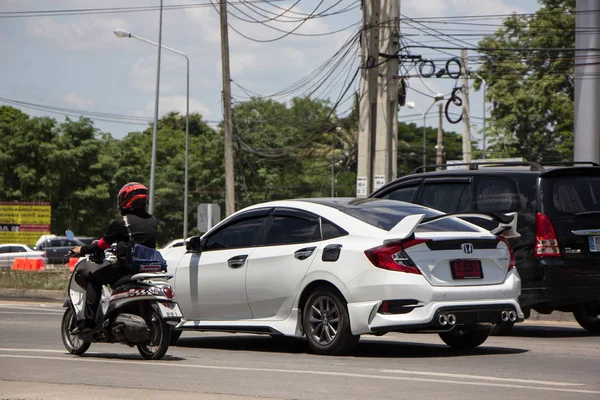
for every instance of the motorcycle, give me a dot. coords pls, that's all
(138, 310)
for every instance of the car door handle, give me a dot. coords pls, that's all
(237, 261)
(304, 253)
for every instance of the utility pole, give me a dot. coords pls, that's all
(440, 136)
(466, 142)
(367, 124)
(378, 105)
(385, 164)
(587, 85)
(227, 124)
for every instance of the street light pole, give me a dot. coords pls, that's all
(483, 154)
(122, 34)
(411, 105)
(155, 127)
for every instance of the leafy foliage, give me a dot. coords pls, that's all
(532, 91)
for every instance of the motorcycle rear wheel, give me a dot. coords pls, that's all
(160, 338)
(72, 343)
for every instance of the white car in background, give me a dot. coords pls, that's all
(10, 251)
(331, 270)
(177, 243)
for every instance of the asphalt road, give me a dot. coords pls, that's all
(538, 361)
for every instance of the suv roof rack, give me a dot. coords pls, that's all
(592, 163)
(475, 165)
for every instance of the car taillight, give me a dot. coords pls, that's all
(391, 256)
(512, 262)
(546, 242)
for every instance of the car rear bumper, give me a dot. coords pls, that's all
(470, 305)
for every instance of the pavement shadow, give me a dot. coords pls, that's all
(539, 331)
(127, 356)
(365, 348)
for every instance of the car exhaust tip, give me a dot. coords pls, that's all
(451, 319)
(443, 319)
(504, 315)
(512, 316)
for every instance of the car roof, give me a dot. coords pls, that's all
(337, 203)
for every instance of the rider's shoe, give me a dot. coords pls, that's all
(82, 327)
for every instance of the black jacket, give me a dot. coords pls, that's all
(143, 230)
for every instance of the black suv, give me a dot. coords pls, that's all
(558, 205)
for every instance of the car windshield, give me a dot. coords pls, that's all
(574, 196)
(386, 214)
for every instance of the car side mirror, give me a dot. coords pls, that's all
(194, 244)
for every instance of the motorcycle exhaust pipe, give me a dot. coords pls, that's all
(512, 316)
(451, 319)
(443, 319)
(504, 315)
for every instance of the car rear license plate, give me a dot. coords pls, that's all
(170, 310)
(594, 243)
(466, 269)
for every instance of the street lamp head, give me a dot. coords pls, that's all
(411, 104)
(120, 33)
(438, 97)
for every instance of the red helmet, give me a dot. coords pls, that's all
(132, 196)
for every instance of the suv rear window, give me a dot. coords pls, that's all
(573, 195)
(387, 216)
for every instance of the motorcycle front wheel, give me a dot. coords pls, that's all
(72, 343)
(160, 337)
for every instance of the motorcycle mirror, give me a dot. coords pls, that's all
(69, 234)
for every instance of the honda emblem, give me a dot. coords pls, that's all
(467, 248)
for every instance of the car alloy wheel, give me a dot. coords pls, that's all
(324, 320)
(326, 323)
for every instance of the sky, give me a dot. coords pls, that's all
(76, 62)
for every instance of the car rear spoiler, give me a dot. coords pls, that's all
(507, 224)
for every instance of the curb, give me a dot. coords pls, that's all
(60, 296)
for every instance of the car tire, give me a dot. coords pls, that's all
(589, 317)
(502, 329)
(326, 323)
(464, 339)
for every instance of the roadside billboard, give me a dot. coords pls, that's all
(22, 222)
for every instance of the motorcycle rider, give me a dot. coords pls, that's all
(132, 201)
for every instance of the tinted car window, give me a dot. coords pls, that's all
(406, 193)
(447, 197)
(239, 234)
(330, 230)
(4, 250)
(17, 249)
(387, 216)
(574, 195)
(288, 230)
(496, 195)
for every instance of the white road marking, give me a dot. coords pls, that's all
(33, 350)
(481, 377)
(305, 372)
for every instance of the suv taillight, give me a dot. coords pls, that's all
(513, 262)
(391, 256)
(546, 242)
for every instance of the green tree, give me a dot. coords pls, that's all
(529, 70)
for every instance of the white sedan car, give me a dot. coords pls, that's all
(333, 269)
(10, 251)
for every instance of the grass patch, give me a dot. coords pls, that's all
(48, 280)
